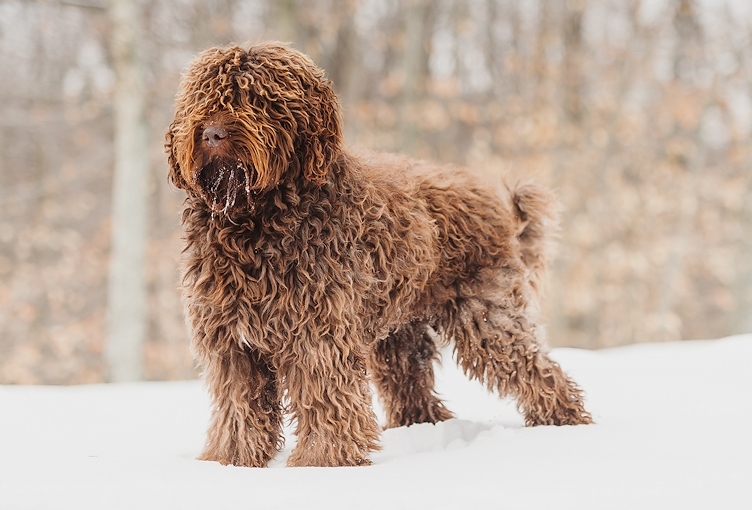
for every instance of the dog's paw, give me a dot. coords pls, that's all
(236, 457)
(432, 412)
(328, 457)
(318, 462)
(574, 415)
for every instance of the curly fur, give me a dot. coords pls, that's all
(311, 269)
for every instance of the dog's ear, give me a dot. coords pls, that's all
(174, 176)
(320, 141)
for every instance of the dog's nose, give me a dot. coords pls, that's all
(213, 136)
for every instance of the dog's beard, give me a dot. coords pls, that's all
(226, 186)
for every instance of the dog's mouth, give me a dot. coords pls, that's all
(226, 186)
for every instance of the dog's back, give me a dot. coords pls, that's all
(480, 225)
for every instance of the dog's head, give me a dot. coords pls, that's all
(246, 119)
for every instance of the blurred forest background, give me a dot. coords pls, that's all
(638, 113)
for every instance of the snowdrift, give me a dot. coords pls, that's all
(672, 431)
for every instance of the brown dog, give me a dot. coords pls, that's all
(309, 266)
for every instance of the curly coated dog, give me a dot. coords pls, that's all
(312, 269)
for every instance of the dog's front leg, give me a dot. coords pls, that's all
(327, 385)
(246, 421)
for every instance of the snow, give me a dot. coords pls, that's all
(672, 431)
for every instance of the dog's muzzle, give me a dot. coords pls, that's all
(225, 186)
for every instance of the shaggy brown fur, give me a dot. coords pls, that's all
(309, 266)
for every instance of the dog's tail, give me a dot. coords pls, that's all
(538, 212)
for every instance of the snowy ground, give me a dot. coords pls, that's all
(673, 431)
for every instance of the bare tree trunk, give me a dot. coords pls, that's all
(285, 15)
(417, 25)
(687, 57)
(126, 317)
(343, 64)
(340, 64)
(573, 61)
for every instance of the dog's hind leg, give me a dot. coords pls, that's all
(496, 342)
(401, 367)
(246, 421)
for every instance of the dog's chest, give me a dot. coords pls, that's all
(362, 271)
